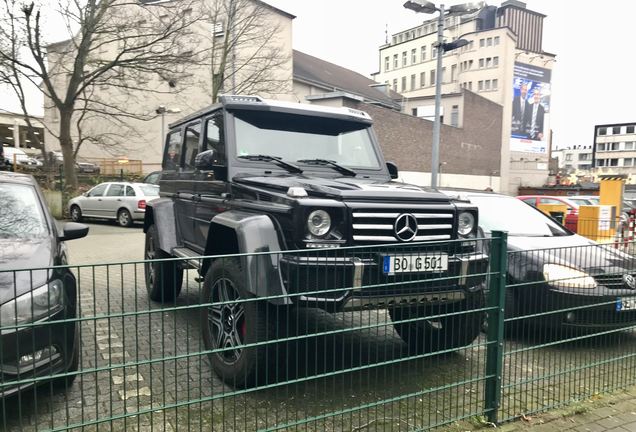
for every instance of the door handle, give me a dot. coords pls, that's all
(118, 199)
(99, 199)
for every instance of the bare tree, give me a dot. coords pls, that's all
(246, 54)
(117, 46)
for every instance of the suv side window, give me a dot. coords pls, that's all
(98, 190)
(191, 145)
(115, 190)
(130, 191)
(173, 151)
(214, 138)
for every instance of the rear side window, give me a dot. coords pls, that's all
(130, 191)
(115, 190)
(191, 145)
(173, 151)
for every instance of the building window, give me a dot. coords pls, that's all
(602, 131)
(386, 63)
(423, 79)
(394, 39)
(403, 83)
(413, 82)
(453, 72)
(628, 162)
(629, 145)
(470, 64)
(470, 85)
(614, 146)
(414, 112)
(495, 61)
(496, 40)
(480, 85)
(455, 116)
(442, 77)
(613, 162)
(600, 147)
(629, 129)
(495, 84)
(568, 157)
(584, 156)
(395, 61)
(481, 63)
(419, 32)
(413, 56)
(482, 43)
(432, 77)
(600, 162)
(616, 130)
(404, 58)
(489, 62)
(489, 41)
(395, 84)
(471, 45)
(433, 51)
(487, 85)
(423, 53)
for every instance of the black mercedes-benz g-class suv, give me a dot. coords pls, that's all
(285, 186)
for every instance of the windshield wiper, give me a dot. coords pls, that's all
(275, 160)
(335, 165)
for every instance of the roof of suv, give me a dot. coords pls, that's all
(257, 103)
(12, 177)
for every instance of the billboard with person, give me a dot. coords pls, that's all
(530, 109)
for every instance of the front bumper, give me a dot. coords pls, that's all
(358, 282)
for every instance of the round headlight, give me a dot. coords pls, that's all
(319, 223)
(466, 223)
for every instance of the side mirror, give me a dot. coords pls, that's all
(73, 230)
(204, 161)
(393, 169)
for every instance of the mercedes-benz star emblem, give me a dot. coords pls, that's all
(405, 227)
(630, 281)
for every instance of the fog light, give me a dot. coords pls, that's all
(570, 317)
(43, 354)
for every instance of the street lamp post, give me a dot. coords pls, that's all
(424, 6)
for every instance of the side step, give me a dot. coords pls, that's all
(191, 257)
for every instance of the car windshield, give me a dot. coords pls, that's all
(581, 201)
(149, 190)
(295, 138)
(514, 216)
(21, 213)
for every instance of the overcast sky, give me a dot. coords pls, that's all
(593, 41)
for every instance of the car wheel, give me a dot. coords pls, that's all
(163, 279)
(229, 322)
(443, 333)
(76, 213)
(67, 381)
(124, 218)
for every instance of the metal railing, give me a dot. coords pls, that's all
(342, 345)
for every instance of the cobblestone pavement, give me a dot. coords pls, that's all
(141, 367)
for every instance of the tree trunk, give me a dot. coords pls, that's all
(66, 145)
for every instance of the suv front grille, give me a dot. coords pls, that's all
(612, 281)
(378, 225)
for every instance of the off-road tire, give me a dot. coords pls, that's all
(163, 279)
(446, 333)
(124, 218)
(76, 213)
(252, 322)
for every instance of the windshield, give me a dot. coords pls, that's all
(514, 216)
(149, 190)
(296, 137)
(20, 214)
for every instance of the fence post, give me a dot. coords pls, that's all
(495, 334)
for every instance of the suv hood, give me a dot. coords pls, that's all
(346, 188)
(23, 254)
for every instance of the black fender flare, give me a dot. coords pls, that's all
(255, 237)
(160, 212)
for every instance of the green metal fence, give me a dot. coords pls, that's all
(341, 349)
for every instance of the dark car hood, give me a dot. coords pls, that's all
(23, 254)
(573, 250)
(346, 188)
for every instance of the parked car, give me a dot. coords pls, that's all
(153, 178)
(572, 216)
(20, 158)
(30, 239)
(87, 168)
(290, 177)
(553, 269)
(122, 201)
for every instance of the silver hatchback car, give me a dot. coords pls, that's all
(125, 202)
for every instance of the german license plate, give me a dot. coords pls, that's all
(392, 264)
(625, 303)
